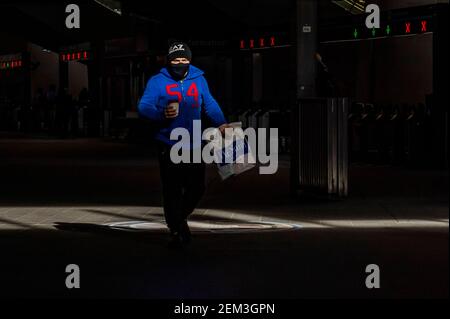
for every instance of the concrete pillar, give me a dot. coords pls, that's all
(306, 30)
(304, 38)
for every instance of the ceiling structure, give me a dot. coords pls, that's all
(43, 23)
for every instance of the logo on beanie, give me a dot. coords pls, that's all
(176, 47)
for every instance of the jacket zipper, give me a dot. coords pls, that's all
(182, 99)
(182, 90)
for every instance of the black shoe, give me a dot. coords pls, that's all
(175, 243)
(185, 232)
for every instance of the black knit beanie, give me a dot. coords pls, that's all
(179, 50)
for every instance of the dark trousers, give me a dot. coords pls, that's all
(183, 186)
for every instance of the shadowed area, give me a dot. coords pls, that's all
(97, 204)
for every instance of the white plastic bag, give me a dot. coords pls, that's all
(234, 155)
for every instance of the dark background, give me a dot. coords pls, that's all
(86, 158)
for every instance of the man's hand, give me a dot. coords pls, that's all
(223, 127)
(171, 111)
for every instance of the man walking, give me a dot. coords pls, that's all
(174, 98)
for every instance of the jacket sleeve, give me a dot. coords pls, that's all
(212, 108)
(148, 104)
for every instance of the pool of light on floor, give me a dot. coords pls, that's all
(151, 219)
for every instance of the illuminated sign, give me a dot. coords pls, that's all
(389, 29)
(76, 52)
(407, 27)
(266, 42)
(75, 56)
(424, 25)
(394, 23)
(8, 62)
(10, 65)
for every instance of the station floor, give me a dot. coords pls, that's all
(97, 204)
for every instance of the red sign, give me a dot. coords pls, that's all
(408, 27)
(75, 56)
(5, 65)
(424, 26)
(260, 43)
(272, 41)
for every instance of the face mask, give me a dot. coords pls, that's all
(178, 71)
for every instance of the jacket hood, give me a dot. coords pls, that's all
(193, 73)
